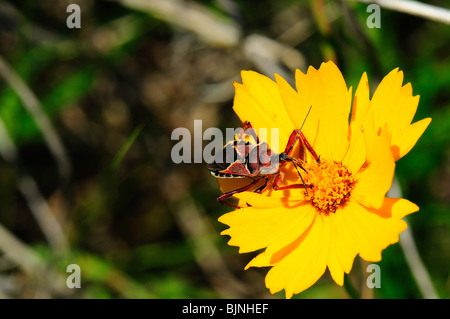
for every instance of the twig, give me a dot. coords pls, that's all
(42, 212)
(351, 290)
(39, 207)
(33, 106)
(19, 253)
(31, 263)
(416, 8)
(415, 263)
(191, 16)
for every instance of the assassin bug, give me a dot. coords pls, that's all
(257, 161)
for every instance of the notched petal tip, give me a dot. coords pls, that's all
(405, 140)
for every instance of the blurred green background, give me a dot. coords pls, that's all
(94, 185)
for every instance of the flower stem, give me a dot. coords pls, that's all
(412, 256)
(351, 290)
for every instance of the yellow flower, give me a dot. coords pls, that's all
(346, 212)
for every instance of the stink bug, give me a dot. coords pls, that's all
(255, 160)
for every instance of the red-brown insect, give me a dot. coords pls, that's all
(257, 161)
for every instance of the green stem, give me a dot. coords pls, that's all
(353, 293)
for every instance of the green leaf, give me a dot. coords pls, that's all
(125, 147)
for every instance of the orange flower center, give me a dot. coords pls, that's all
(332, 184)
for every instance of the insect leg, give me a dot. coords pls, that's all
(309, 147)
(221, 199)
(259, 190)
(291, 141)
(279, 178)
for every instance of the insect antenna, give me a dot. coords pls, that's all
(299, 175)
(298, 133)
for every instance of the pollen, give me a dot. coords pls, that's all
(332, 184)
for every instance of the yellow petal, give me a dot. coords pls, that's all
(326, 91)
(375, 180)
(258, 100)
(306, 213)
(356, 154)
(277, 250)
(360, 107)
(302, 267)
(404, 140)
(346, 248)
(254, 228)
(261, 260)
(334, 265)
(261, 201)
(395, 208)
(267, 94)
(297, 107)
(372, 232)
(392, 103)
